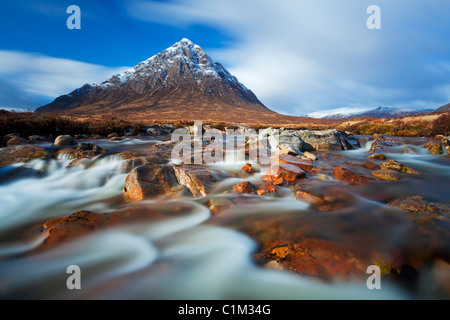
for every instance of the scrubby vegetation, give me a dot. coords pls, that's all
(399, 127)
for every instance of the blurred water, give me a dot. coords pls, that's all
(184, 256)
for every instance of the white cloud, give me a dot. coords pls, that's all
(36, 77)
(301, 56)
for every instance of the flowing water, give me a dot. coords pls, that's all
(193, 255)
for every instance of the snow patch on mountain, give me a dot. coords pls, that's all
(339, 113)
(352, 112)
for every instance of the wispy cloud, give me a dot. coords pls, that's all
(30, 78)
(301, 56)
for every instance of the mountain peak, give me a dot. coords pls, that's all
(185, 41)
(182, 78)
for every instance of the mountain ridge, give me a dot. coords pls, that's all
(181, 79)
(366, 112)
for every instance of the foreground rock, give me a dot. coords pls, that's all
(15, 154)
(320, 258)
(154, 180)
(82, 223)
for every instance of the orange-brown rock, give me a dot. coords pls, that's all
(244, 187)
(153, 180)
(248, 168)
(287, 172)
(82, 223)
(324, 259)
(308, 197)
(349, 176)
(396, 166)
(378, 156)
(386, 175)
(420, 205)
(370, 165)
(24, 153)
(303, 164)
(15, 141)
(266, 188)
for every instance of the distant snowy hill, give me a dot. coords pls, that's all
(380, 112)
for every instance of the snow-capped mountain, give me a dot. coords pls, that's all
(180, 79)
(352, 112)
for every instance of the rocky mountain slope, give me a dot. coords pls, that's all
(179, 82)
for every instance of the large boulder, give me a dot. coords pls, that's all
(15, 154)
(154, 180)
(327, 140)
(65, 140)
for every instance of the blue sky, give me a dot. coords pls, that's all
(298, 56)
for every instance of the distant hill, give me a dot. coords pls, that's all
(445, 108)
(380, 112)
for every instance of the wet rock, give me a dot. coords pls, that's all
(327, 140)
(199, 179)
(154, 130)
(133, 160)
(266, 188)
(15, 154)
(309, 156)
(65, 140)
(396, 166)
(446, 144)
(36, 138)
(303, 164)
(386, 175)
(349, 176)
(247, 168)
(17, 141)
(153, 180)
(290, 143)
(164, 149)
(82, 223)
(319, 258)
(167, 128)
(434, 147)
(287, 172)
(308, 197)
(378, 156)
(382, 144)
(88, 150)
(116, 139)
(244, 187)
(370, 165)
(420, 205)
